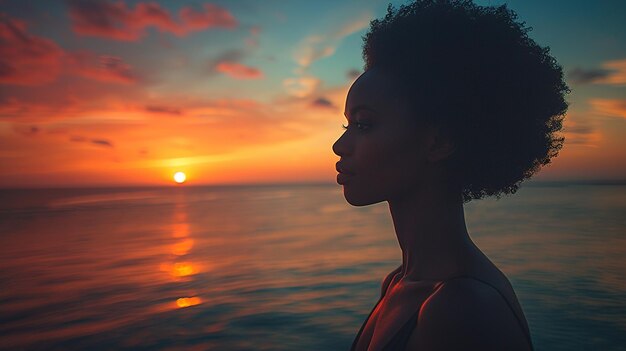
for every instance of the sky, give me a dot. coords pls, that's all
(97, 93)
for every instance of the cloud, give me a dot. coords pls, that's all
(212, 16)
(609, 107)
(612, 73)
(580, 134)
(301, 86)
(100, 67)
(354, 26)
(24, 58)
(228, 63)
(97, 142)
(114, 20)
(316, 47)
(29, 60)
(101, 142)
(618, 77)
(168, 110)
(583, 76)
(323, 102)
(229, 55)
(238, 70)
(312, 49)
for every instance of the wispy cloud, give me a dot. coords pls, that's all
(228, 63)
(316, 47)
(323, 102)
(26, 59)
(609, 107)
(101, 142)
(611, 73)
(580, 133)
(100, 67)
(168, 110)
(301, 86)
(114, 20)
(29, 60)
(618, 77)
(98, 142)
(238, 70)
(585, 76)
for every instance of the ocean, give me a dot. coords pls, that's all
(283, 267)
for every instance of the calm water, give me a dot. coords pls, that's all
(282, 267)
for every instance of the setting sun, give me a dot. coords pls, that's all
(180, 177)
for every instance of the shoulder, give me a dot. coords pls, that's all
(469, 314)
(387, 280)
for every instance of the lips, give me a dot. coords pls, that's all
(342, 169)
(344, 174)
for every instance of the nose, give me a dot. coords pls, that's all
(341, 147)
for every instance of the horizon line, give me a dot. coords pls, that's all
(288, 183)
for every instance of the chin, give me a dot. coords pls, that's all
(360, 198)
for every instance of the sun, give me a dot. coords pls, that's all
(180, 177)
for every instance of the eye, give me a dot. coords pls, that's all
(359, 125)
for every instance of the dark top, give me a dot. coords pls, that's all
(401, 338)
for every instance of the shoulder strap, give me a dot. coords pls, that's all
(517, 317)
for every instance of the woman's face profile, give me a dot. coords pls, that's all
(382, 150)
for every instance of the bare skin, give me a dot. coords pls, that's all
(387, 155)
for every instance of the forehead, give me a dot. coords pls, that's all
(373, 89)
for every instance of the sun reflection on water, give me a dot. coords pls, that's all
(188, 301)
(181, 248)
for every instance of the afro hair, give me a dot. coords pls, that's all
(474, 72)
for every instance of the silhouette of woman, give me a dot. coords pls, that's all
(456, 103)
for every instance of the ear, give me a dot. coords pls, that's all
(440, 146)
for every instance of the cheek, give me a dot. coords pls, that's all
(393, 162)
(395, 154)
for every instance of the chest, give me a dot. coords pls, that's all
(392, 314)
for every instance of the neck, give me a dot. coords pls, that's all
(430, 227)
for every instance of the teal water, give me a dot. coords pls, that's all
(286, 267)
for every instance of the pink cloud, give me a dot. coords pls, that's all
(212, 16)
(26, 59)
(238, 71)
(29, 60)
(114, 20)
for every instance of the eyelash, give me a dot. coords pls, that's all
(362, 127)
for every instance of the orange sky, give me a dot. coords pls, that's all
(224, 93)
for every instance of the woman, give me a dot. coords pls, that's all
(456, 103)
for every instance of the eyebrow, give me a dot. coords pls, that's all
(357, 108)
